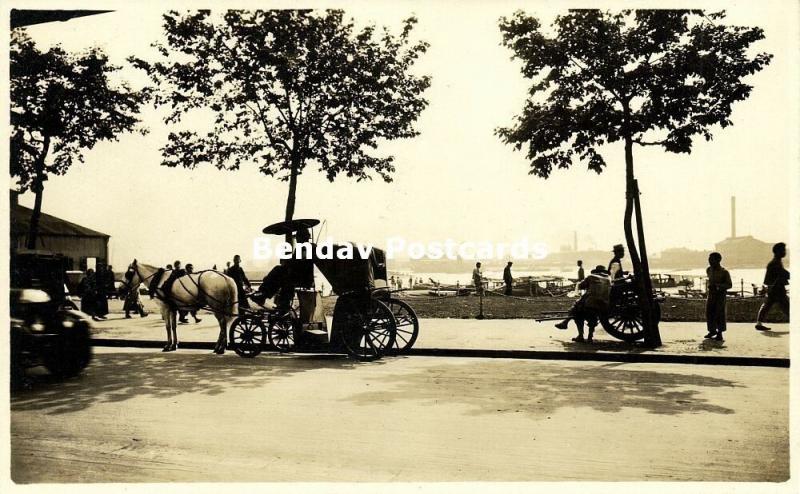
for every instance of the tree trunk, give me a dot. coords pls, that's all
(290, 200)
(652, 337)
(38, 189)
(640, 265)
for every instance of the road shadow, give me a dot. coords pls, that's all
(117, 377)
(603, 346)
(710, 345)
(539, 389)
(774, 334)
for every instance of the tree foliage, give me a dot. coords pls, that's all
(287, 88)
(654, 77)
(61, 105)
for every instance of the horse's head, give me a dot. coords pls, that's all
(135, 275)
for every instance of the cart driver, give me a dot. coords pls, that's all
(593, 303)
(283, 279)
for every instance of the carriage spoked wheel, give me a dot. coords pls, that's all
(624, 320)
(368, 328)
(247, 336)
(407, 325)
(281, 334)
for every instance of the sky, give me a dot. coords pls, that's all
(456, 180)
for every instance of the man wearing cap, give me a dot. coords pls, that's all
(593, 302)
(615, 265)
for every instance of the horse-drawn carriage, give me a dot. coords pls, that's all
(368, 322)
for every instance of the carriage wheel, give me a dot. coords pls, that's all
(368, 329)
(281, 334)
(407, 325)
(625, 323)
(247, 336)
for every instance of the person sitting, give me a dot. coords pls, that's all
(282, 280)
(185, 312)
(593, 303)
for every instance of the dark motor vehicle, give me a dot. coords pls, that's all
(45, 328)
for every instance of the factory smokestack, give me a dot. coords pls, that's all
(733, 216)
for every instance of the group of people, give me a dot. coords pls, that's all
(94, 290)
(596, 297)
(596, 288)
(719, 282)
(396, 282)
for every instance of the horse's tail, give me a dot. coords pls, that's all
(233, 296)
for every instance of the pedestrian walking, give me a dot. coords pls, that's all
(775, 279)
(580, 271)
(101, 293)
(87, 289)
(133, 302)
(507, 278)
(110, 281)
(719, 282)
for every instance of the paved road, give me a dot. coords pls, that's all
(140, 415)
(680, 338)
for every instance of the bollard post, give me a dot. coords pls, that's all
(480, 315)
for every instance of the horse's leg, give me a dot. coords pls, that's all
(174, 329)
(219, 348)
(165, 316)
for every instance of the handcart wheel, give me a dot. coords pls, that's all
(407, 325)
(281, 334)
(368, 328)
(624, 320)
(247, 336)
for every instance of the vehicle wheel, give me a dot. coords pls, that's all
(281, 334)
(368, 328)
(247, 336)
(407, 325)
(624, 321)
(70, 354)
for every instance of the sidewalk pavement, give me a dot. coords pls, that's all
(506, 335)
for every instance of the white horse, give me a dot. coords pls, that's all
(209, 290)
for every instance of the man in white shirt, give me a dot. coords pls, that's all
(615, 265)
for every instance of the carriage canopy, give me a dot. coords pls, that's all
(356, 274)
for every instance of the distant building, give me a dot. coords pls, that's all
(77, 243)
(744, 252)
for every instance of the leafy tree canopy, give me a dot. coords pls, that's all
(654, 77)
(287, 87)
(61, 105)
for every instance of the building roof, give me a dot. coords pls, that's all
(48, 225)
